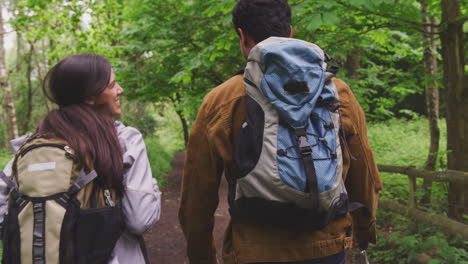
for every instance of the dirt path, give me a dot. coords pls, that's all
(165, 242)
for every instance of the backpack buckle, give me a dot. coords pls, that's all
(304, 146)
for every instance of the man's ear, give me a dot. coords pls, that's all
(246, 42)
(245, 39)
(291, 31)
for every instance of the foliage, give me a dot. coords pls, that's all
(401, 241)
(207, 50)
(177, 59)
(173, 51)
(162, 144)
(4, 158)
(136, 114)
(385, 33)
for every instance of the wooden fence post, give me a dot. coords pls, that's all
(412, 190)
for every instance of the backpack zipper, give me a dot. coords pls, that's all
(60, 146)
(67, 149)
(108, 198)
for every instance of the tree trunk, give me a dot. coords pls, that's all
(184, 123)
(5, 87)
(29, 70)
(353, 63)
(451, 35)
(432, 97)
(176, 101)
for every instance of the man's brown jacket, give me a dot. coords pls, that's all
(209, 154)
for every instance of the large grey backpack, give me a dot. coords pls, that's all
(288, 155)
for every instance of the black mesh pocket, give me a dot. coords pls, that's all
(97, 231)
(248, 146)
(67, 234)
(11, 237)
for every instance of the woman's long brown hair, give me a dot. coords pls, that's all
(91, 134)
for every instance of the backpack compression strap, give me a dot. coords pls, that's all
(306, 153)
(82, 180)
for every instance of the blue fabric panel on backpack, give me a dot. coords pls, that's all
(291, 167)
(294, 62)
(291, 62)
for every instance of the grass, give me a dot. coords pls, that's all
(160, 159)
(4, 158)
(406, 143)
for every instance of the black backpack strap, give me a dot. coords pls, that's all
(306, 152)
(142, 243)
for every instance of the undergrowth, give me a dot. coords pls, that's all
(160, 159)
(400, 240)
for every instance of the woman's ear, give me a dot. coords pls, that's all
(90, 101)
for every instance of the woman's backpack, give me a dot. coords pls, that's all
(56, 213)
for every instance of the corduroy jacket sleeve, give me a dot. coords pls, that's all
(199, 192)
(361, 176)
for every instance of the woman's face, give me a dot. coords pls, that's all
(108, 101)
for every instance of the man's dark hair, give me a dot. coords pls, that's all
(261, 19)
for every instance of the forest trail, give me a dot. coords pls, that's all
(165, 242)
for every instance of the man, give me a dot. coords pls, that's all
(210, 153)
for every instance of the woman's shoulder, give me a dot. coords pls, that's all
(123, 130)
(128, 135)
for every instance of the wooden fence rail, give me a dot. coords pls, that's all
(444, 224)
(440, 176)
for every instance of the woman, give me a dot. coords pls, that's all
(84, 88)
